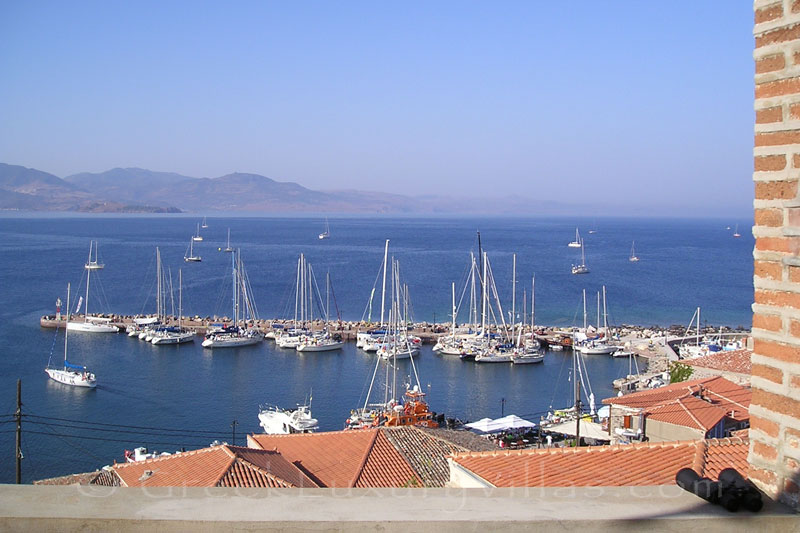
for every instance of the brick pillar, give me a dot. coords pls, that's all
(775, 409)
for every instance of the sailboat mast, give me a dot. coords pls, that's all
(483, 299)
(180, 297)
(598, 310)
(533, 302)
(584, 310)
(66, 329)
(453, 286)
(383, 289)
(513, 296)
(482, 279)
(297, 288)
(88, 277)
(605, 313)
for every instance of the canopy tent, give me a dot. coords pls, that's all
(487, 425)
(590, 430)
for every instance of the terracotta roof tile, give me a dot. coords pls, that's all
(629, 465)
(737, 361)
(690, 412)
(361, 458)
(230, 466)
(426, 452)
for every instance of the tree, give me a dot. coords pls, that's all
(679, 372)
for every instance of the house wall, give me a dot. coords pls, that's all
(657, 431)
(775, 407)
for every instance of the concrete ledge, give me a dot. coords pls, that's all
(664, 508)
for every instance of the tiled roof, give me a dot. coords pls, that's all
(606, 466)
(362, 458)
(690, 412)
(228, 466)
(720, 388)
(737, 361)
(426, 452)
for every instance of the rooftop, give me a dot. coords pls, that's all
(642, 464)
(737, 361)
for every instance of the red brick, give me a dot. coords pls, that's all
(778, 138)
(795, 382)
(776, 403)
(796, 58)
(793, 216)
(768, 270)
(765, 14)
(770, 64)
(794, 111)
(768, 322)
(769, 115)
(796, 160)
(776, 190)
(774, 244)
(769, 163)
(767, 477)
(765, 426)
(794, 274)
(765, 451)
(772, 218)
(794, 329)
(796, 6)
(793, 438)
(774, 350)
(778, 88)
(780, 35)
(769, 373)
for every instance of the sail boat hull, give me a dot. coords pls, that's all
(232, 341)
(70, 377)
(92, 327)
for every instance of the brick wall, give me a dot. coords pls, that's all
(775, 408)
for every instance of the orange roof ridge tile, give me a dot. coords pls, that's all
(232, 455)
(165, 457)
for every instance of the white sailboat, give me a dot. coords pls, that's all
(229, 248)
(93, 264)
(91, 324)
(736, 232)
(197, 237)
(577, 242)
(322, 341)
(581, 268)
(74, 375)
(174, 334)
(204, 224)
(633, 258)
(327, 233)
(189, 257)
(238, 333)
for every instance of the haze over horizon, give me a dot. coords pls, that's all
(617, 103)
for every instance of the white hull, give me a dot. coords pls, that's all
(528, 359)
(232, 341)
(482, 358)
(70, 377)
(574, 244)
(92, 327)
(276, 421)
(600, 349)
(173, 338)
(319, 347)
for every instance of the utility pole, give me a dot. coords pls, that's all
(502, 407)
(233, 427)
(18, 418)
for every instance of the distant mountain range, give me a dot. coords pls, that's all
(138, 190)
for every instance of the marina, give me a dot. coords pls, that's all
(198, 392)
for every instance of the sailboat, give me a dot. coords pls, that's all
(633, 258)
(93, 264)
(197, 237)
(531, 351)
(174, 334)
(322, 341)
(581, 268)
(327, 233)
(190, 257)
(237, 334)
(736, 231)
(75, 375)
(229, 248)
(91, 324)
(204, 224)
(577, 242)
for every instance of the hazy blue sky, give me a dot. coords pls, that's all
(620, 102)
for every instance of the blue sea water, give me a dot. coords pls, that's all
(172, 397)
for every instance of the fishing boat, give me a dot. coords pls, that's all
(91, 324)
(633, 258)
(75, 375)
(577, 242)
(327, 233)
(229, 248)
(197, 237)
(93, 264)
(238, 333)
(189, 257)
(277, 421)
(581, 268)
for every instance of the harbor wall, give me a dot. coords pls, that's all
(775, 407)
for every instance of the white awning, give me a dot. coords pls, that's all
(590, 430)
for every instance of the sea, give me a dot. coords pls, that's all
(169, 398)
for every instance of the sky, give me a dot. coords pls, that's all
(613, 103)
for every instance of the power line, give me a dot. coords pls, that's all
(203, 435)
(151, 428)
